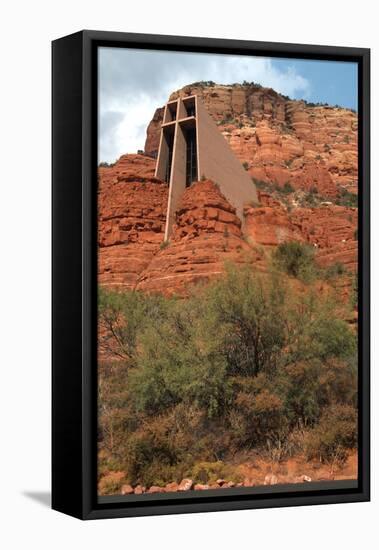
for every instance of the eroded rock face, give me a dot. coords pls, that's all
(132, 215)
(153, 133)
(207, 232)
(270, 224)
(330, 229)
(206, 235)
(281, 140)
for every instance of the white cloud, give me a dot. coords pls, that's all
(133, 83)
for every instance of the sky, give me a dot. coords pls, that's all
(133, 83)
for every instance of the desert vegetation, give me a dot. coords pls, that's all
(250, 363)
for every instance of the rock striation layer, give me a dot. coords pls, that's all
(131, 217)
(206, 235)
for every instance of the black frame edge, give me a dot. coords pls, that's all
(74, 173)
(67, 422)
(364, 278)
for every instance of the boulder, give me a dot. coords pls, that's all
(155, 489)
(305, 478)
(127, 490)
(271, 479)
(185, 485)
(247, 482)
(171, 487)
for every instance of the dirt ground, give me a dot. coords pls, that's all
(292, 470)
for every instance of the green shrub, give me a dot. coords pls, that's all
(335, 270)
(287, 188)
(296, 259)
(179, 361)
(263, 417)
(337, 432)
(210, 472)
(247, 363)
(346, 198)
(312, 385)
(245, 165)
(249, 311)
(111, 483)
(316, 333)
(123, 316)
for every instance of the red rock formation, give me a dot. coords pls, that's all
(207, 234)
(281, 139)
(153, 133)
(269, 224)
(331, 229)
(132, 215)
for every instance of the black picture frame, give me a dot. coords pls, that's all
(74, 273)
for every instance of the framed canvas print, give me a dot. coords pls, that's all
(210, 275)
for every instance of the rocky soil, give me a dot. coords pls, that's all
(254, 472)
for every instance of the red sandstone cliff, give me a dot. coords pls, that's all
(207, 234)
(131, 215)
(281, 140)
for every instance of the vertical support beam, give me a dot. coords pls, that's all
(199, 173)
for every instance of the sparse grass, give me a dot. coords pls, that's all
(346, 198)
(296, 259)
(287, 188)
(335, 270)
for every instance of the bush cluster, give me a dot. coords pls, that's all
(241, 365)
